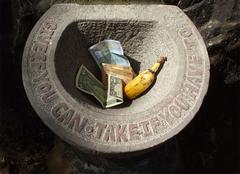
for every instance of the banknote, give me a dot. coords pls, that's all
(87, 82)
(108, 96)
(115, 91)
(114, 46)
(125, 73)
(108, 51)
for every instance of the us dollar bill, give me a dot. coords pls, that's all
(123, 72)
(107, 96)
(88, 83)
(108, 51)
(115, 91)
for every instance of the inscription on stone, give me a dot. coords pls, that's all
(38, 61)
(90, 129)
(116, 133)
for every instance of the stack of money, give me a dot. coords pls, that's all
(125, 73)
(116, 72)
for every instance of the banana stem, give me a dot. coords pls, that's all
(160, 61)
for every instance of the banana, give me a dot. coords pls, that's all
(143, 81)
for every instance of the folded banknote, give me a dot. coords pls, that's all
(109, 96)
(123, 72)
(108, 51)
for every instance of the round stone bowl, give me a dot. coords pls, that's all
(58, 46)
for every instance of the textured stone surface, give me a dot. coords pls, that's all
(58, 45)
(210, 144)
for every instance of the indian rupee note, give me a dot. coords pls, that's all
(123, 72)
(108, 51)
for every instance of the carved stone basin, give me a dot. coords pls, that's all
(58, 45)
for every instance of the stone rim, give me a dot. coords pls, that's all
(73, 139)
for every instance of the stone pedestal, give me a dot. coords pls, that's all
(58, 45)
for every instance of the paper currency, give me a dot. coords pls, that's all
(126, 74)
(87, 82)
(114, 92)
(108, 51)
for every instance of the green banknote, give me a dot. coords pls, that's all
(115, 91)
(87, 82)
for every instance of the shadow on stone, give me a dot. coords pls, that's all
(72, 50)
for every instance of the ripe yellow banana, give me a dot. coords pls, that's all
(143, 81)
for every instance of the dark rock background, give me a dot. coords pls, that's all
(209, 144)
